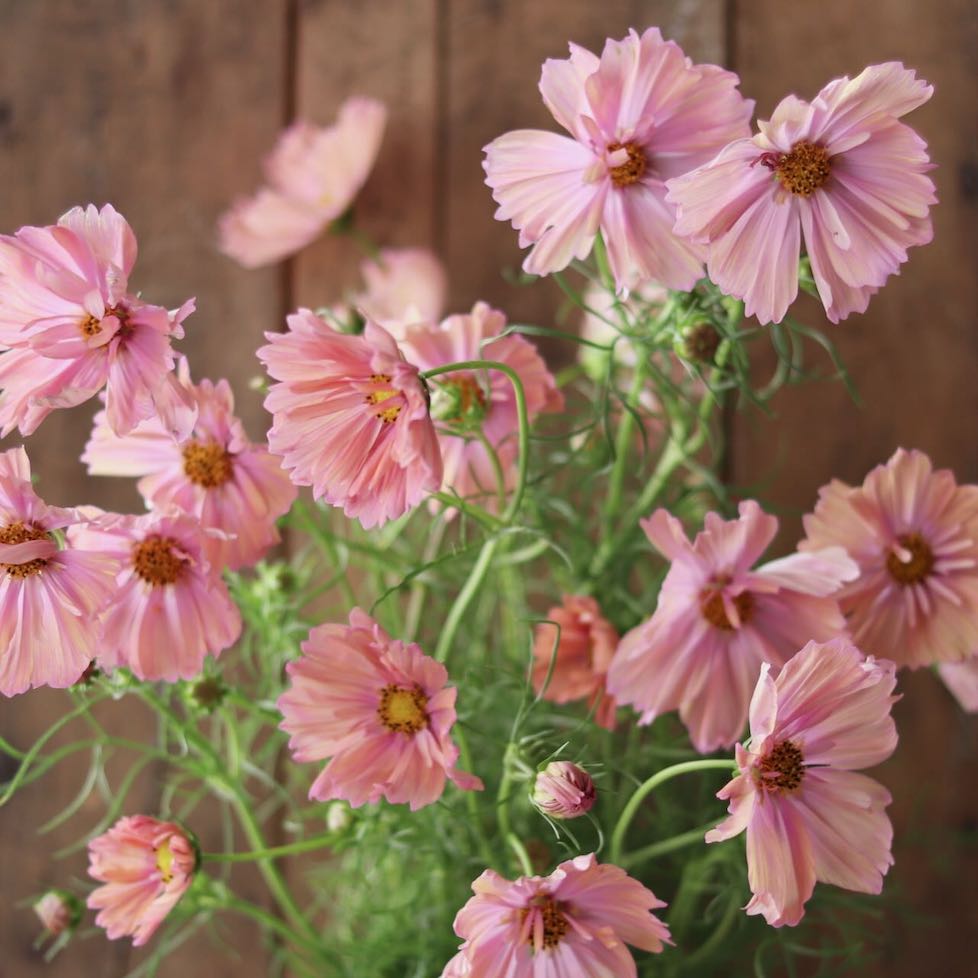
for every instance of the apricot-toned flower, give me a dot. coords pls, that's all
(312, 175)
(718, 619)
(809, 816)
(564, 790)
(70, 327)
(350, 418)
(169, 608)
(215, 474)
(145, 866)
(914, 534)
(583, 653)
(473, 405)
(842, 171)
(961, 678)
(638, 115)
(379, 709)
(402, 285)
(49, 595)
(574, 923)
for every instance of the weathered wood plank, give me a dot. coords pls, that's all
(914, 357)
(152, 106)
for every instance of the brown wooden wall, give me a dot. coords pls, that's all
(164, 107)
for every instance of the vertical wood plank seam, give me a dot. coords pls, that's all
(439, 170)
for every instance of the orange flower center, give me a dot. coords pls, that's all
(90, 327)
(632, 170)
(712, 609)
(208, 465)
(919, 564)
(782, 769)
(403, 710)
(155, 562)
(555, 924)
(803, 170)
(16, 533)
(380, 395)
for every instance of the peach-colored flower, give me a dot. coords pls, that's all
(313, 175)
(146, 866)
(49, 595)
(379, 709)
(574, 923)
(474, 403)
(841, 170)
(718, 618)
(914, 534)
(809, 816)
(169, 608)
(215, 473)
(638, 115)
(587, 643)
(350, 418)
(70, 327)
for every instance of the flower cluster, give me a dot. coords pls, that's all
(539, 484)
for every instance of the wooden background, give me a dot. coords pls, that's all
(164, 107)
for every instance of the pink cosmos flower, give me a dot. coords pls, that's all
(584, 651)
(169, 608)
(380, 709)
(479, 404)
(70, 327)
(914, 534)
(841, 170)
(313, 175)
(808, 815)
(961, 678)
(718, 620)
(564, 790)
(402, 285)
(638, 115)
(574, 923)
(350, 418)
(146, 866)
(215, 474)
(49, 596)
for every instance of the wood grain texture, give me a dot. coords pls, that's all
(164, 109)
(914, 358)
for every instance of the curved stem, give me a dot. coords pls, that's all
(272, 852)
(666, 846)
(647, 787)
(522, 856)
(521, 412)
(464, 598)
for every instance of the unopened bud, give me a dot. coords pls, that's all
(700, 343)
(58, 911)
(338, 816)
(564, 790)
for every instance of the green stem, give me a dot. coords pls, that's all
(272, 852)
(666, 846)
(626, 431)
(644, 789)
(464, 598)
(268, 920)
(522, 856)
(522, 416)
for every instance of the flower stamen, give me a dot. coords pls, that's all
(549, 926)
(208, 465)
(156, 563)
(911, 560)
(403, 710)
(802, 170)
(18, 532)
(633, 169)
(714, 611)
(781, 769)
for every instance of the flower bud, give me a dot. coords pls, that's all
(338, 816)
(563, 790)
(699, 343)
(58, 911)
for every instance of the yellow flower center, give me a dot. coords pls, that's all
(208, 465)
(919, 564)
(15, 533)
(164, 860)
(782, 769)
(382, 393)
(403, 710)
(633, 169)
(155, 562)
